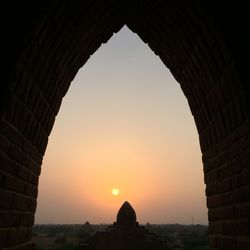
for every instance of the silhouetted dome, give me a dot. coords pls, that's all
(87, 227)
(126, 215)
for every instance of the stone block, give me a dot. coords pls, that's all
(6, 199)
(214, 201)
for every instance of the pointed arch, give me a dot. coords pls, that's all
(44, 49)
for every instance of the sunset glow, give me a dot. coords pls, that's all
(124, 132)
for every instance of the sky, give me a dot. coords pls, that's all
(124, 124)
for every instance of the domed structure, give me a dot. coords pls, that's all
(126, 215)
(124, 234)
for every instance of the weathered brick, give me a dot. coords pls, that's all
(214, 188)
(30, 126)
(227, 185)
(31, 191)
(35, 168)
(223, 213)
(51, 58)
(43, 143)
(17, 236)
(230, 169)
(236, 165)
(213, 241)
(27, 246)
(7, 165)
(211, 177)
(239, 227)
(220, 159)
(27, 219)
(238, 195)
(13, 183)
(241, 179)
(4, 144)
(243, 243)
(22, 123)
(216, 227)
(24, 203)
(11, 133)
(49, 124)
(226, 142)
(29, 233)
(3, 238)
(6, 199)
(242, 210)
(2, 177)
(215, 201)
(239, 147)
(17, 119)
(19, 156)
(23, 173)
(209, 154)
(244, 129)
(9, 219)
(227, 243)
(33, 179)
(245, 159)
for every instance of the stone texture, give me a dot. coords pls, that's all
(46, 42)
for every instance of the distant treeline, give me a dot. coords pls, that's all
(67, 236)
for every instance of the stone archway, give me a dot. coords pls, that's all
(45, 47)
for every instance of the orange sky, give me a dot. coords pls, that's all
(124, 123)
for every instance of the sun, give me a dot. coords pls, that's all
(115, 191)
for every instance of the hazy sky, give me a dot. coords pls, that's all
(124, 123)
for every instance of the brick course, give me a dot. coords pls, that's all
(43, 55)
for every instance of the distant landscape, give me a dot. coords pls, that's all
(68, 237)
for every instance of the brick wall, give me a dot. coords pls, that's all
(188, 39)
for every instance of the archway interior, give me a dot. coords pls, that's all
(45, 48)
(124, 123)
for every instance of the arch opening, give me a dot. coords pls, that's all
(124, 124)
(190, 41)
